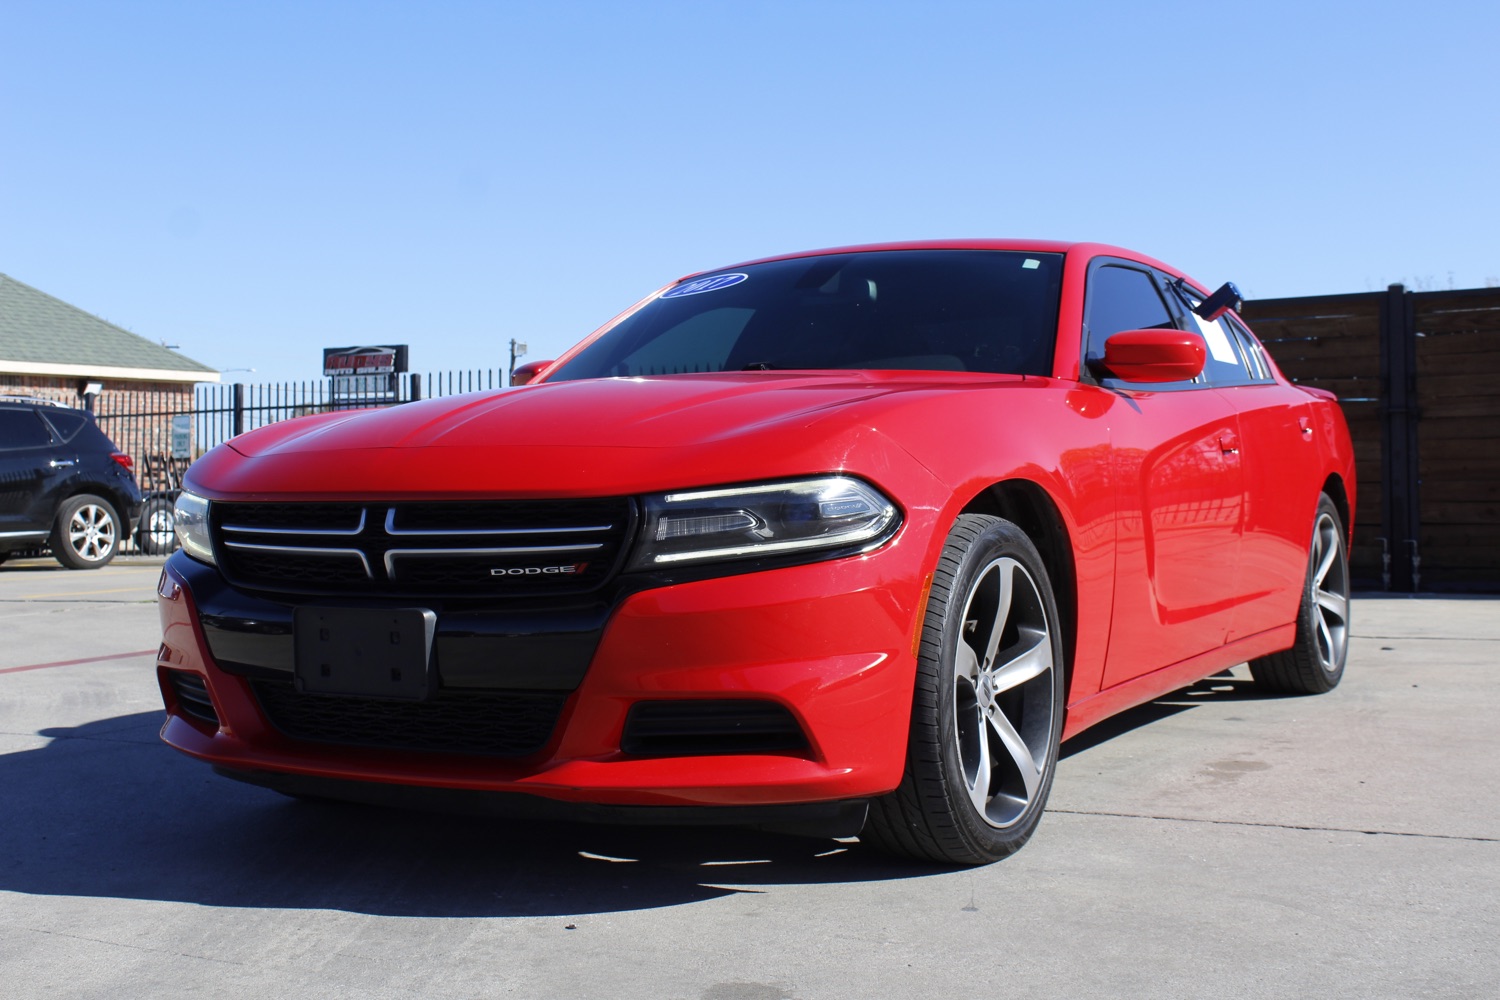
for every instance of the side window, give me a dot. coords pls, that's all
(1223, 365)
(1121, 298)
(1255, 355)
(66, 423)
(22, 429)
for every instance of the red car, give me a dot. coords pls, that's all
(850, 539)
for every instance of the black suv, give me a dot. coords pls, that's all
(63, 483)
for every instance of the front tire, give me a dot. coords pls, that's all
(1315, 663)
(988, 707)
(86, 534)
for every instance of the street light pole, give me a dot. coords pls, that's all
(517, 350)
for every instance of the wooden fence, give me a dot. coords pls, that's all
(1418, 375)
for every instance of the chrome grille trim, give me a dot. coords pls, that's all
(391, 529)
(338, 532)
(304, 550)
(426, 549)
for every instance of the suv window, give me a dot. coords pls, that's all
(22, 429)
(66, 423)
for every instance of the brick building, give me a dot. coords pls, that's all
(56, 351)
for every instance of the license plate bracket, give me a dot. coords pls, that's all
(364, 652)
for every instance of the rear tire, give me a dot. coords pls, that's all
(1315, 663)
(86, 534)
(988, 707)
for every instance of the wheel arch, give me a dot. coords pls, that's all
(1334, 487)
(1029, 507)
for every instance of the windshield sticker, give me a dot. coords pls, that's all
(701, 285)
(1031, 263)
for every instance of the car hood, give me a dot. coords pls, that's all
(593, 437)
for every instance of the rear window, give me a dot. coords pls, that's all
(949, 310)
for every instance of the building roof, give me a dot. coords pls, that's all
(42, 335)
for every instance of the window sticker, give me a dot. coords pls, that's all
(700, 285)
(1218, 341)
(1031, 263)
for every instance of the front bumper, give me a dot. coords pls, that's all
(831, 642)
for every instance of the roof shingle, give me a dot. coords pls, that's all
(36, 328)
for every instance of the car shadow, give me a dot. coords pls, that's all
(105, 809)
(1221, 687)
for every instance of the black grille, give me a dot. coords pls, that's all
(461, 548)
(687, 728)
(494, 723)
(192, 696)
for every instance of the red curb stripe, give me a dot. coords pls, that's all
(69, 663)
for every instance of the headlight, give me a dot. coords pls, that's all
(190, 518)
(748, 522)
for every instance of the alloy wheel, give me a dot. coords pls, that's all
(1004, 692)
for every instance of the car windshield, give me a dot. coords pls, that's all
(947, 310)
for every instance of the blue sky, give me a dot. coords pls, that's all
(256, 181)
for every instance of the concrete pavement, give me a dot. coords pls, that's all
(1214, 843)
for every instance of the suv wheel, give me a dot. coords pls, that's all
(158, 536)
(86, 534)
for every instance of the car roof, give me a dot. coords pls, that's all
(1037, 246)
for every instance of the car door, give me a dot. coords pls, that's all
(1179, 490)
(1282, 478)
(26, 474)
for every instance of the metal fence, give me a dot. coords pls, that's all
(164, 430)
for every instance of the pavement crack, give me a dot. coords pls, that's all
(1309, 828)
(1425, 638)
(132, 947)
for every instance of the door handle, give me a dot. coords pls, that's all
(1229, 444)
(66, 463)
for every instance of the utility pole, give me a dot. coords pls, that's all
(517, 350)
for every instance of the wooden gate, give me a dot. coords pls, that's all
(1418, 376)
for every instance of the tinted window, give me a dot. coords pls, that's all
(954, 310)
(22, 429)
(1122, 298)
(65, 422)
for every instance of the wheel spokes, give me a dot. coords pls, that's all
(1031, 659)
(1004, 697)
(1021, 758)
(1330, 585)
(91, 533)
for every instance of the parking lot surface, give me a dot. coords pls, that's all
(1214, 843)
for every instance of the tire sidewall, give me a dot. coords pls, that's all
(62, 548)
(1309, 621)
(995, 539)
(146, 537)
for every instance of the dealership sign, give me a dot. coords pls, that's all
(364, 373)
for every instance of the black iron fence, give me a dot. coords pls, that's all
(164, 430)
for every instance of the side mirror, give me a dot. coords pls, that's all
(524, 374)
(1154, 355)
